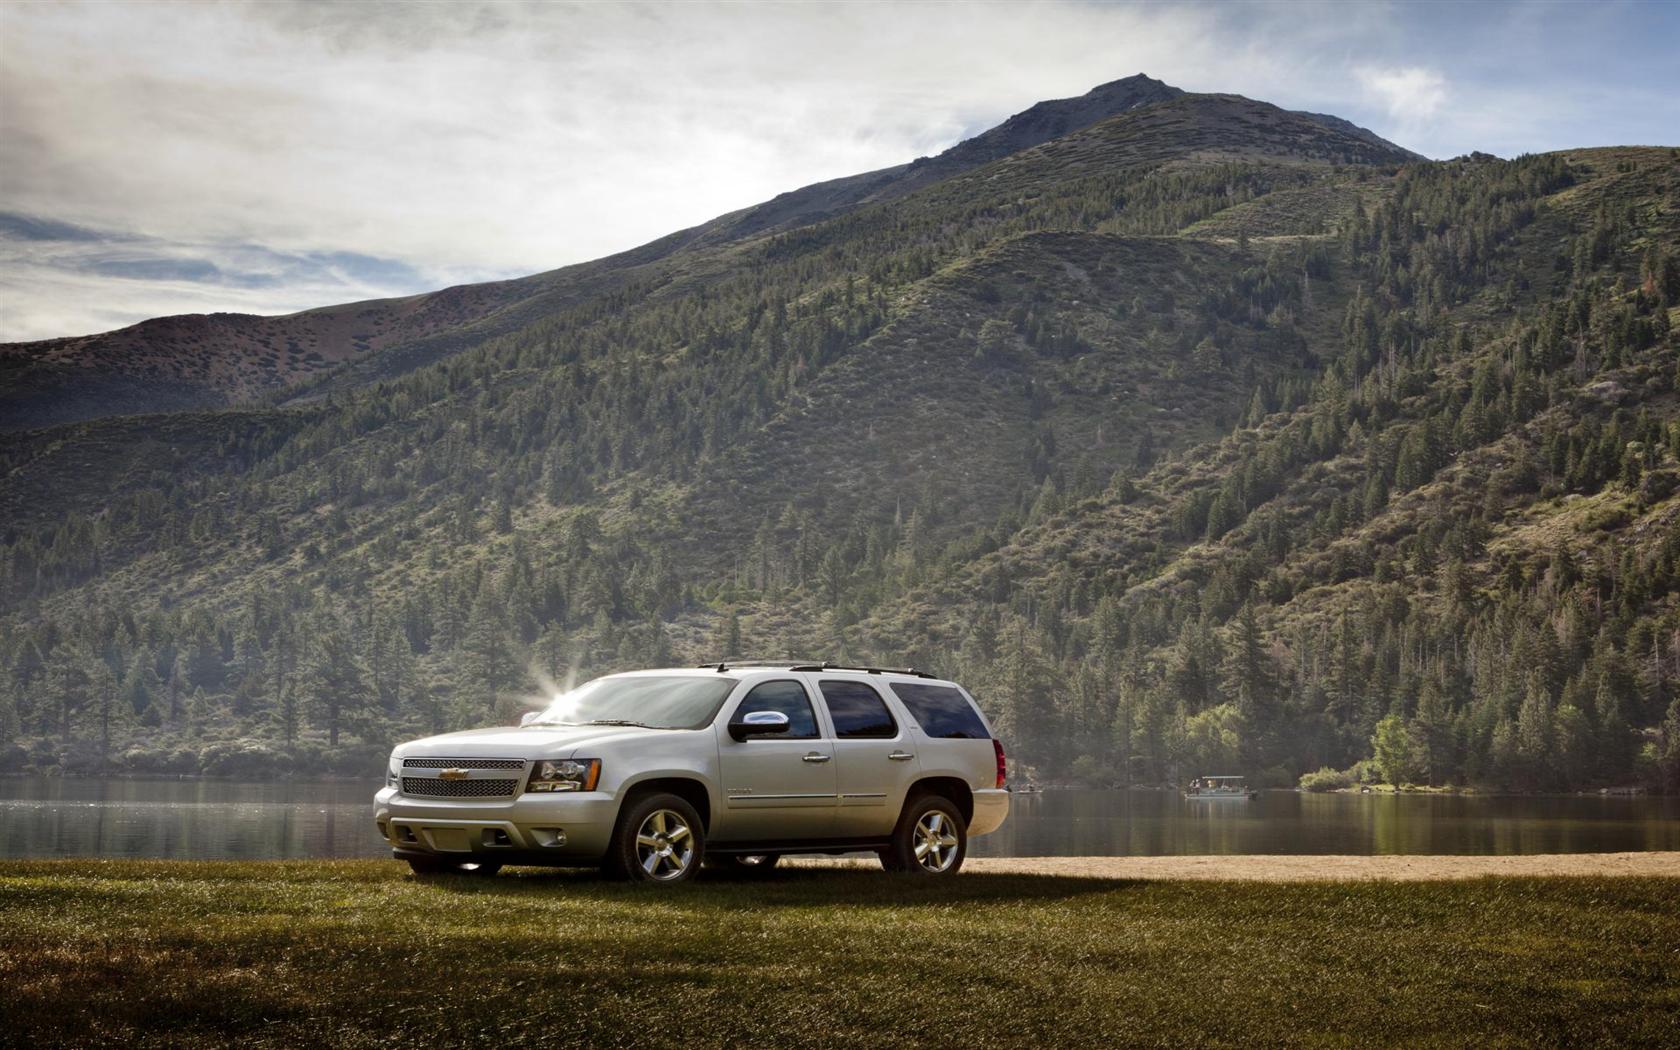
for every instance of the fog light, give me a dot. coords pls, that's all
(549, 838)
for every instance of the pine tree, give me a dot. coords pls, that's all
(1026, 699)
(1536, 733)
(1615, 736)
(338, 680)
(726, 640)
(108, 713)
(1250, 683)
(11, 724)
(1668, 751)
(1432, 728)
(488, 664)
(287, 716)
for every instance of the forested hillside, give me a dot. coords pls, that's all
(1206, 437)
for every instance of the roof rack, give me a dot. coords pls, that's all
(742, 661)
(826, 666)
(724, 665)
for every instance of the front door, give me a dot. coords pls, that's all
(781, 787)
(876, 758)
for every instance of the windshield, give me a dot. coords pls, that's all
(654, 701)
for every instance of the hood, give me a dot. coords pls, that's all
(523, 742)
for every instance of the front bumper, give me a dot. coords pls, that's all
(528, 829)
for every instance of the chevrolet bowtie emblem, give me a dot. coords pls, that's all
(452, 774)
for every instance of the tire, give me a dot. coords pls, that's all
(659, 840)
(930, 841)
(425, 867)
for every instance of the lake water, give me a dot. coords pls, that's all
(51, 817)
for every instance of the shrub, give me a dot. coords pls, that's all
(1326, 779)
(241, 759)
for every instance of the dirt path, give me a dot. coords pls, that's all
(1265, 868)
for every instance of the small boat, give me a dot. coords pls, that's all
(1220, 788)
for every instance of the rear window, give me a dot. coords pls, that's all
(942, 711)
(857, 710)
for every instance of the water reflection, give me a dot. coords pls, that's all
(46, 817)
(1156, 823)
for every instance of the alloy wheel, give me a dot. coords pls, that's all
(936, 842)
(665, 845)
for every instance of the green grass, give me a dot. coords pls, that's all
(359, 953)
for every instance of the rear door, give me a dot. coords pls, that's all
(875, 756)
(952, 737)
(780, 787)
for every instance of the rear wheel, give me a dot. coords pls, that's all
(931, 838)
(427, 866)
(659, 839)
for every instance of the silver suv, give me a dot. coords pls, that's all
(650, 773)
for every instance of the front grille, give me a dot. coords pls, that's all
(458, 788)
(463, 763)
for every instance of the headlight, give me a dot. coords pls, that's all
(391, 774)
(566, 774)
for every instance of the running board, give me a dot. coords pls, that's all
(829, 846)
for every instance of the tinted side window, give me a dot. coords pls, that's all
(857, 710)
(787, 697)
(942, 711)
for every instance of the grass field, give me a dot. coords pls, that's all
(360, 954)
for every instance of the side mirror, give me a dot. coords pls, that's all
(758, 723)
(528, 717)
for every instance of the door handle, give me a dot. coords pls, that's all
(901, 756)
(815, 756)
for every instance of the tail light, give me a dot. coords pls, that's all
(1003, 769)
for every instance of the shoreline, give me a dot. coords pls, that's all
(1384, 867)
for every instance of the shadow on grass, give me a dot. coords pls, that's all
(790, 886)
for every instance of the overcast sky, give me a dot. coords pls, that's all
(266, 158)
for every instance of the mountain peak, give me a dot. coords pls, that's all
(1053, 118)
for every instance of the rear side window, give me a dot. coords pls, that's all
(942, 711)
(787, 697)
(857, 710)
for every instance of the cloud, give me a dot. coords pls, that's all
(307, 153)
(56, 271)
(1411, 95)
(33, 228)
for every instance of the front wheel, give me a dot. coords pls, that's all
(659, 839)
(931, 838)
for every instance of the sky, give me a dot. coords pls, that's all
(266, 158)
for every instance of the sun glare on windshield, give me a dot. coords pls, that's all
(655, 701)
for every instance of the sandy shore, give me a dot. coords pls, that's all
(1265, 868)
